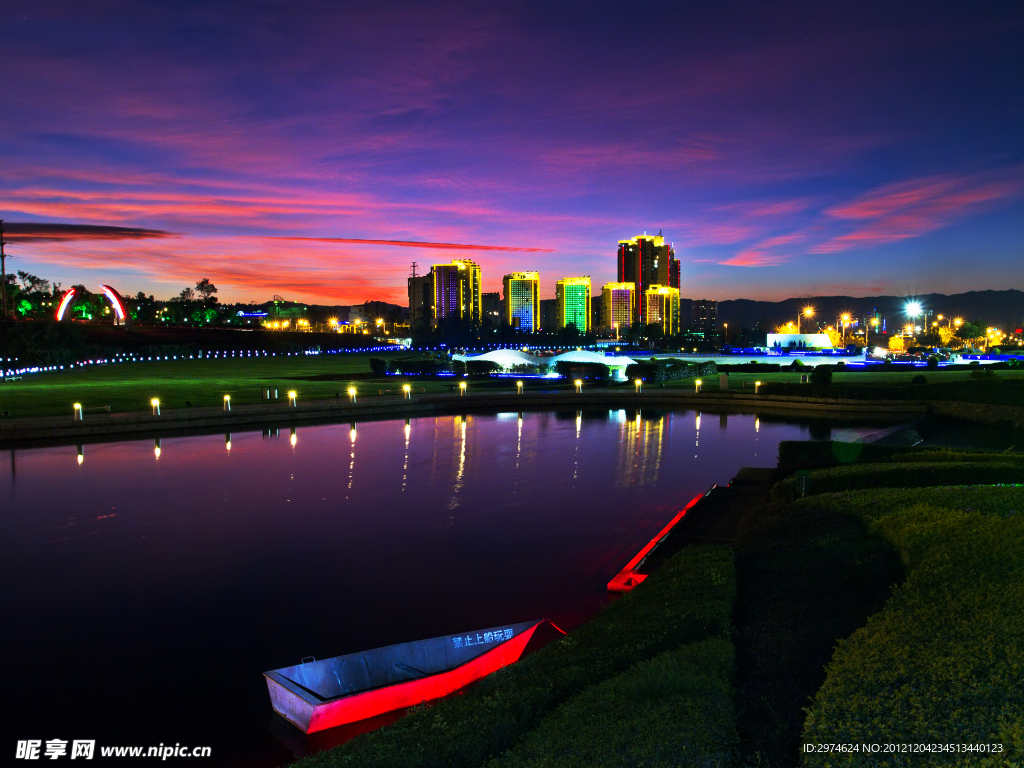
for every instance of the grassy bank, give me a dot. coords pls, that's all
(676, 709)
(941, 662)
(687, 601)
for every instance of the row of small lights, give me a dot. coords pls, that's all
(132, 358)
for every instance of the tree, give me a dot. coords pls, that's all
(187, 295)
(206, 289)
(895, 343)
(30, 282)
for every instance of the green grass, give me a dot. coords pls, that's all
(127, 387)
(942, 662)
(675, 709)
(688, 600)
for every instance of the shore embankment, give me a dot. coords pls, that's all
(61, 430)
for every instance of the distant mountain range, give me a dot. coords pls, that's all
(1003, 309)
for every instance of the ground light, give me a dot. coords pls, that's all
(639, 383)
(697, 384)
(78, 411)
(352, 394)
(227, 402)
(292, 399)
(519, 387)
(462, 387)
(156, 406)
(579, 385)
(757, 387)
(408, 391)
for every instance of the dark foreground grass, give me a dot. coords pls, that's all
(675, 709)
(687, 600)
(807, 577)
(943, 662)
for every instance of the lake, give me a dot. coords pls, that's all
(149, 584)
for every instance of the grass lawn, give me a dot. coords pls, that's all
(129, 387)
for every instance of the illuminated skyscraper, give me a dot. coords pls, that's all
(457, 291)
(573, 297)
(617, 301)
(646, 261)
(522, 300)
(661, 307)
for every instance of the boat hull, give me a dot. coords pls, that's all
(295, 705)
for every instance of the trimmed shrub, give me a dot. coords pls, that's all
(902, 475)
(379, 366)
(918, 380)
(940, 664)
(481, 368)
(592, 371)
(821, 375)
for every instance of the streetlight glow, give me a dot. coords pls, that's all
(912, 309)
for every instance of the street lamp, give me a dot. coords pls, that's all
(807, 312)
(846, 321)
(519, 387)
(351, 394)
(697, 384)
(639, 383)
(227, 402)
(579, 386)
(462, 388)
(292, 395)
(408, 391)
(156, 406)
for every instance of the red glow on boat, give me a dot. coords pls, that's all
(626, 579)
(407, 694)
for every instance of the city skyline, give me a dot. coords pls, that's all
(785, 151)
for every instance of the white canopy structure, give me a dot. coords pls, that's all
(507, 358)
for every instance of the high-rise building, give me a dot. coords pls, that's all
(661, 307)
(647, 260)
(457, 291)
(705, 318)
(490, 304)
(522, 300)
(548, 315)
(617, 302)
(573, 297)
(421, 301)
(596, 302)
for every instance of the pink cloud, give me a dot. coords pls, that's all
(913, 208)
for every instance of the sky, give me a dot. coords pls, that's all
(314, 150)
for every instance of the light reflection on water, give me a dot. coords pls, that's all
(174, 572)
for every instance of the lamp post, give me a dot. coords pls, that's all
(696, 385)
(519, 387)
(757, 387)
(227, 402)
(639, 383)
(78, 411)
(292, 395)
(155, 403)
(579, 386)
(408, 391)
(351, 394)
(462, 388)
(807, 312)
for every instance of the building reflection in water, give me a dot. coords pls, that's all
(641, 443)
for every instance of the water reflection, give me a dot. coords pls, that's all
(641, 443)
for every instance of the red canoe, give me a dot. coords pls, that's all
(331, 692)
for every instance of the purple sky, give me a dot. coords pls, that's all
(786, 149)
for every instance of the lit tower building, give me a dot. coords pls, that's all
(661, 307)
(457, 291)
(522, 300)
(617, 301)
(647, 260)
(573, 297)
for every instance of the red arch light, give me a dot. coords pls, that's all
(65, 303)
(115, 299)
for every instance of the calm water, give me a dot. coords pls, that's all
(145, 594)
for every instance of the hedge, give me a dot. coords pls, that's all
(997, 391)
(941, 663)
(669, 370)
(900, 475)
(675, 709)
(687, 600)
